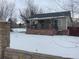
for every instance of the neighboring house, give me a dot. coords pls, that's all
(20, 24)
(49, 23)
(12, 22)
(76, 22)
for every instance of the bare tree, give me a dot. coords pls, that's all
(69, 5)
(73, 6)
(30, 10)
(31, 7)
(24, 14)
(6, 9)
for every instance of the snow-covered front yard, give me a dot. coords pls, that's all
(65, 46)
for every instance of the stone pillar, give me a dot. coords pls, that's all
(4, 37)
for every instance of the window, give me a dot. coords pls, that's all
(40, 24)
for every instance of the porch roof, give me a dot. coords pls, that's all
(50, 15)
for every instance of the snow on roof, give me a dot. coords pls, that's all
(19, 29)
(65, 46)
(20, 22)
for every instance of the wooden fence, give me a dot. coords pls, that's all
(74, 31)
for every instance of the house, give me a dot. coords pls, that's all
(49, 23)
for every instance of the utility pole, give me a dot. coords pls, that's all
(72, 8)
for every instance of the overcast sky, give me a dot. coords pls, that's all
(46, 5)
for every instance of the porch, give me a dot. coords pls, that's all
(43, 27)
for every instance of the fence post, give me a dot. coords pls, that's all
(4, 37)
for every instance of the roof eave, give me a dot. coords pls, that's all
(46, 18)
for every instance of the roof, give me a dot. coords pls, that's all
(55, 14)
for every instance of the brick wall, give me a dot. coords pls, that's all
(4, 37)
(47, 32)
(20, 54)
(41, 31)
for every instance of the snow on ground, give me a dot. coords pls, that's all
(65, 46)
(19, 29)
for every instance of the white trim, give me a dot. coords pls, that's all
(66, 23)
(45, 18)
